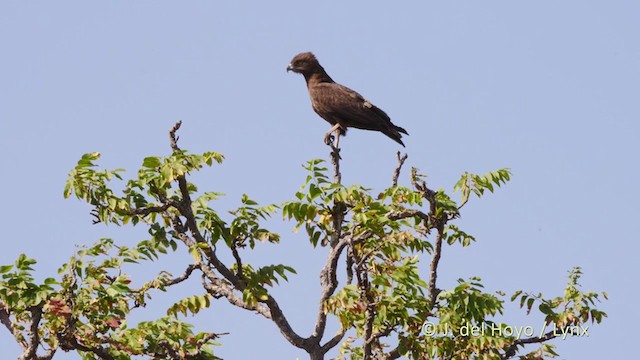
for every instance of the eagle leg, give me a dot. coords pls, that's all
(328, 137)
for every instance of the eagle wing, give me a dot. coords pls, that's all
(339, 104)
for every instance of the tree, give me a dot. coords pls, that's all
(385, 306)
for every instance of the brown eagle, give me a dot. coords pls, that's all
(340, 106)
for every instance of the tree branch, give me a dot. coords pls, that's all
(511, 350)
(30, 351)
(275, 313)
(217, 288)
(335, 340)
(170, 351)
(236, 256)
(396, 172)
(349, 261)
(166, 283)
(393, 354)
(436, 221)
(408, 213)
(362, 276)
(433, 271)
(329, 283)
(335, 160)
(150, 209)
(182, 277)
(5, 319)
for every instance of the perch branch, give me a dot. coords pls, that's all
(335, 160)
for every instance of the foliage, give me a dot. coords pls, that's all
(388, 303)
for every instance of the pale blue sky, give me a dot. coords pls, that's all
(550, 89)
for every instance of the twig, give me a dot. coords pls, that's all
(236, 256)
(182, 277)
(172, 136)
(396, 172)
(169, 282)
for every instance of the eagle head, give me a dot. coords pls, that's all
(304, 63)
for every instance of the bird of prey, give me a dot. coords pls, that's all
(340, 106)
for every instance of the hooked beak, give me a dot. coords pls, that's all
(289, 67)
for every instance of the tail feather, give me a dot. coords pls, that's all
(399, 129)
(394, 135)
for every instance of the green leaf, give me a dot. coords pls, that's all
(151, 162)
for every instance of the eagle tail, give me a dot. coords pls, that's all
(399, 129)
(394, 134)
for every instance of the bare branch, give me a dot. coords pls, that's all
(285, 328)
(217, 287)
(150, 210)
(182, 277)
(396, 172)
(408, 213)
(335, 340)
(210, 337)
(335, 160)
(393, 354)
(185, 209)
(329, 283)
(433, 271)
(172, 136)
(169, 282)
